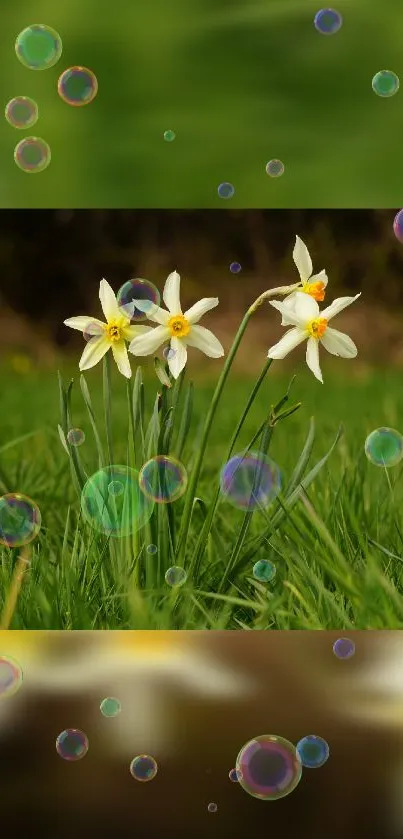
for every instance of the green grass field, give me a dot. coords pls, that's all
(239, 83)
(336, 544)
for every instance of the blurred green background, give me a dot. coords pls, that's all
(239, 83)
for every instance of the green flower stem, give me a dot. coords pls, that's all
(187, 510)
(108, 405)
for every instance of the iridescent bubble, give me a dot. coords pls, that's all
(312, 751)
(398, 226)
(75, 436)
(72, 744)
(226, 190)
(110, 707)
(264, 570)
(114, 515)
(250, 481)
(269, 767)
(115, 488)
(275, 168)
(151, 549)
(93, 330)
(77, 86)
(233, 776)
(163, 479)
(384, 447)
(344, 648)
(32, 154)
(21, 112)
(10, 676)
(385, 83)
(142, 291)
(38, 47)
(175, 576)
(212, 807)
(169, 136)
(235, 267)
(168, 353)
(20, 520)
(143, 768)
(328, 21)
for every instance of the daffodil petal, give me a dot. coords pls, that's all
(312, 358)
(319, 278)
(159, 315)
(94, 350)
(82, 323)
(304, 308)
(203, 339)
(177, 362)
(196, 312)
(171, 294)
(148, 343)
(337, 306)
(134, 330)
(302, 259)
(288, 342)
(121, 357)
(108, 300)
(337, 343)
(288, 305)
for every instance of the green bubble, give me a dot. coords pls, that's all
(384, 447)
(32, 155)
(119, 514)
(110, 707)
(38, 47)
(264, 570)
(385, 83)
(169, 136)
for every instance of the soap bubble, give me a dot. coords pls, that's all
(385, 83)
(235, 267)
(143, 291)
(312, 751)
(169, 136)
(264, 570)
(77, 86)
(250, 481)
(212, 807)
(275, 168)
(384, 447)
(175, 576)
(143, 768)
(115, 515)
(344, 648)
(75, 436)
(72, 744)
(269, 767)
(328, 21)
(21, 112)
(32, 155)
(20, 520)
(10, 677)
(163, 479)
(38, 47)
(110, 707)
(226, 190)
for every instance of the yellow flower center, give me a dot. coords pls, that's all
(316, 290)
(317, 327)
(178, 326)
(113, 332)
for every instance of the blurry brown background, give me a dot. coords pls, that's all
(51, 263)
(192, 700)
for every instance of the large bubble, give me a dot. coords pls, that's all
(268, 767)
(250, 481)
(115, 513)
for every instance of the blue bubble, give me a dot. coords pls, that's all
(226, 190)
(312, 751)
(328, 21)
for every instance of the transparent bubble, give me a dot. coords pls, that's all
(72, 744)
(38, 47)
(21, 112)
(344, 648)
(226, 190)
(152, 549)
(312, 751)
(384, 447)
(168, 353)
(143, 768)
(77, 86)
(250, 481)
(169, 136)
(163, 479)
(233, 776)
(32, 154)
(398, 226)
(328, 21)
(115, 488)
(264, 570)
(275, 168)
(175, 576)
(212, 807)
(10, 677)
(269, 767)
(75, 436)
(115, 515)
(235, 267)
(110, 707)
(20, 520)
(385, 83)
(143, 291)
(93, 330)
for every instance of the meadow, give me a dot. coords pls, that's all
(334, 533)
(239, 84)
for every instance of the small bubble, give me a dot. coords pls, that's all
(226, 190)
(143, 768)
(235, 267)
(72, 744)
(138, 299)
(385, 83)
(10, 677)
(212, 807)
(168, 353)
(151, 549)
(312, 751)
(233, 776)
(169, 136)
(20, 520)
(264, 570)
(77, 86)
(344, 648)
(250, 481)
(163, 479)
(21, 112)
(32, 154)
(175, 576)
(110, 707)
(93, 330)
(328, 21)
(275, 168)
(384, 447)
(38, 47)
(76, 437)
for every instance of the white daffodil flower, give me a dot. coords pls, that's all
(312, 284)
(109, 335)
(309, 324)
(181, 329)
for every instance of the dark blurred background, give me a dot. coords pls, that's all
(192, 700)
(51, 263)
